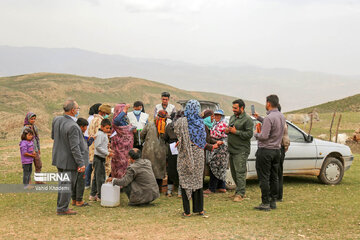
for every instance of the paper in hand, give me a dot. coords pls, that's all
(174, 150)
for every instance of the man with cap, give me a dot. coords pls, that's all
(104, 112)
(165, 105)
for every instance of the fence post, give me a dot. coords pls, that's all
(311, 121)
(337, 129)
(332, 122)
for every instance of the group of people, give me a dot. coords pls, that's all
(137, 153)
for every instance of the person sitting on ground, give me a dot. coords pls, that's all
(139, 181)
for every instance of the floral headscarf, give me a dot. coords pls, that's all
(27, 118)
(195, 123)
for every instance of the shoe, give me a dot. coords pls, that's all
(81, 204)
(279, 200)
(98, 199)
(208, 191)
(221, 190)
(68, 212)
(87, 187)
(73, 202)
(273, 204)
(263, 207)
(238, 198)
(93, 198)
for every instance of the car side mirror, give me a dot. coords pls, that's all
(309, 138)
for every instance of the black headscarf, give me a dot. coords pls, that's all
(94, 109)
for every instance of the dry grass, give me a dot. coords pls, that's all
(310, 211)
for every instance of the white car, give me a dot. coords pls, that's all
(307, 156)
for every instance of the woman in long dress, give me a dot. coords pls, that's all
(219, 158)
(154, 148)
(171, 159)
(121, 142)
(191, 134)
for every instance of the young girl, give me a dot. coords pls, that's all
(29, 122)
(27, 155)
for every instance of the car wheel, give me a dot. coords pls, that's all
(332, 171)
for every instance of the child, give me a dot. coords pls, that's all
(29, 122)
(27, 155)
(101, 152)
(78, 188)
(83, 124)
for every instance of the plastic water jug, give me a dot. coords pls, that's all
(110, 195)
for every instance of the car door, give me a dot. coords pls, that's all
(301, 155)
(251, 168)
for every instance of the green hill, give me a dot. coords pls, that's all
(44, 93)
(348, 104)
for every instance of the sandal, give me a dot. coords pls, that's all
(83, 204)
(203, 214)
(184, 215)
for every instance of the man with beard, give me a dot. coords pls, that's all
(239, 132)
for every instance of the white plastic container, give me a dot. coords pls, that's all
(110, 195)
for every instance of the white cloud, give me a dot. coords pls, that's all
(317, 35)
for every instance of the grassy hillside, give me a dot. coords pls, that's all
(349, 104)
(44, 93)
(349, 108)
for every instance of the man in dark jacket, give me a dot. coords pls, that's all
(139, 181)
(69, 153)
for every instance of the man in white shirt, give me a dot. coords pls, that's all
(139, 119)
(165, 105)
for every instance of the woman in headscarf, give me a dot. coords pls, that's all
(171, 159)
(122, 142)
(208, 118)
(94, 109)
(29, 123)
(191, 134)
(219, 158)
(154, 148)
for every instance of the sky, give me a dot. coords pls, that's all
(305, 35)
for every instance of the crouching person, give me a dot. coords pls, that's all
(139, 181)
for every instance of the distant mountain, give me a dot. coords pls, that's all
(295, 89)
(349, 104)
(44, 94)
